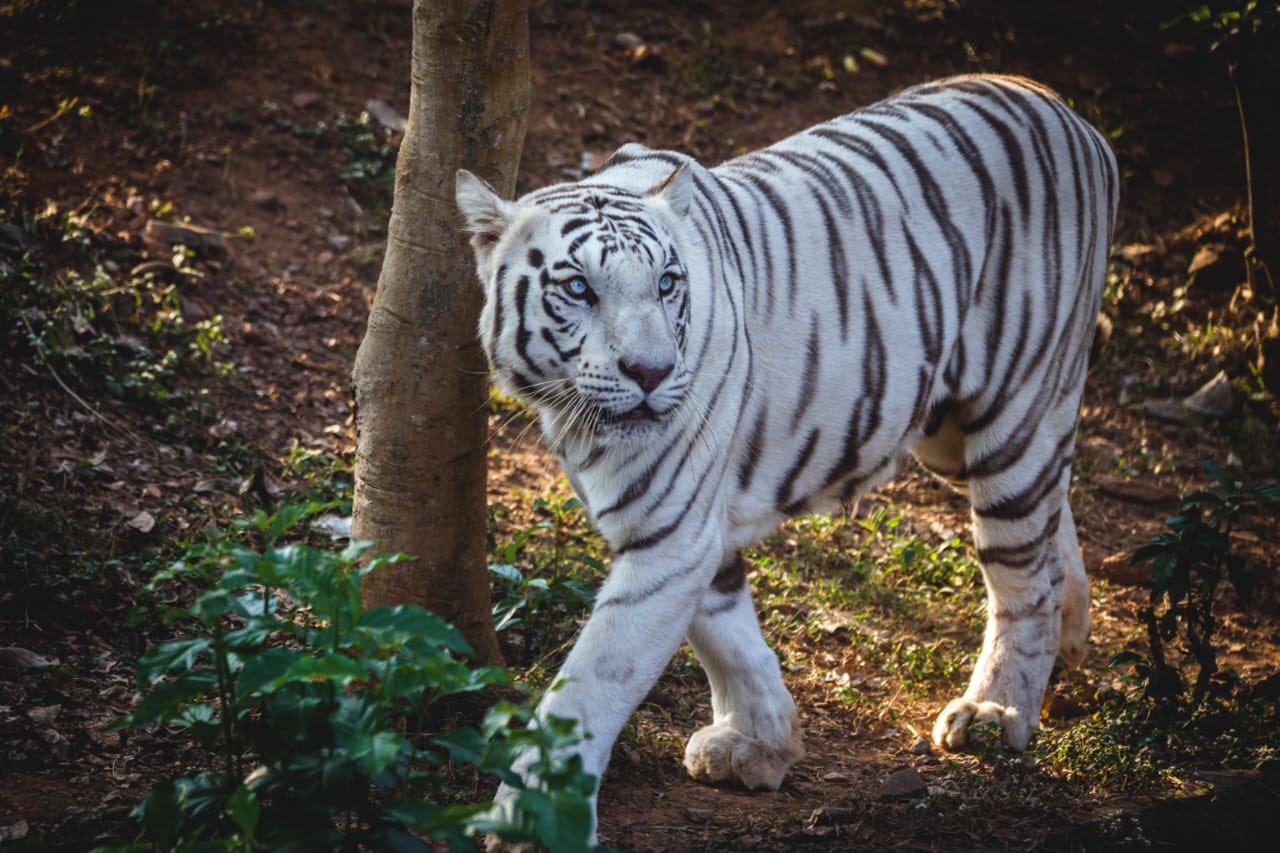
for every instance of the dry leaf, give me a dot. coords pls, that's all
(143, 522)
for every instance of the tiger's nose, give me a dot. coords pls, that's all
(646, 376)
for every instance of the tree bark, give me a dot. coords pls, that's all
(420, 376)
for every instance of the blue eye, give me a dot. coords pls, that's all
(666, 284)
(577, 287)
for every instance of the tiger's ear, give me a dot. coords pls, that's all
(486, 213)
(675, 189)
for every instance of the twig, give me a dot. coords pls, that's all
(88, 407)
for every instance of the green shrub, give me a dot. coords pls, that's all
(1188, 566)
(317, 711)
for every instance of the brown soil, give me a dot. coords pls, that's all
(200, 111)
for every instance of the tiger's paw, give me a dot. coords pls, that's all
(950, 731)
(721, 753)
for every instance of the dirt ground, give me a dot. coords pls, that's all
(210, 113)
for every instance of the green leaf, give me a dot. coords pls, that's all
(339, 669)
(244, 809)
(465, 746)
(164, 701)
(375, 752)
(413, 813)
(262, 670)
(392, 627)
(160, 659)
(506, 572)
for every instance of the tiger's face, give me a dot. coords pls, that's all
(587, 301)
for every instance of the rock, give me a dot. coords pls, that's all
(386, 115)
(169, 234)
(921, 746)
(18, 659)
(306, 100)
(1215, 398)
(1118, 568)
(1134, 491)
(266, 199)
(903, 784)
(1170, 410)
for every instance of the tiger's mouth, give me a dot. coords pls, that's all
(641, 414)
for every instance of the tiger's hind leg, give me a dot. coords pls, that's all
(755, 735)
(1018, 492)
(1074, 643)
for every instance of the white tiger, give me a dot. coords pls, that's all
(712, 351)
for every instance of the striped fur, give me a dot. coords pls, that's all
(771, 337)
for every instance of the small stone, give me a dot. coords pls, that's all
(903, 784)
(338, 242)
(307, 100)
(921, 746)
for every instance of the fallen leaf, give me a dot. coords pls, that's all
(1214, 399)
(13, 657)
(14, 831)
(44, 714)
(143, 522)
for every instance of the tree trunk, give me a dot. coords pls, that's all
(420, 376)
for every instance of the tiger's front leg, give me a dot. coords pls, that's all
(1024, 569)
(755, 735)
(640, 617)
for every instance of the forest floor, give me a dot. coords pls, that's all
(149, 391)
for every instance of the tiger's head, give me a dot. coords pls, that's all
(586, 300)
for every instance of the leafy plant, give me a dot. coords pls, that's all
(127, 335)
(1188, 566)
(317, 712)
(543, 577)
